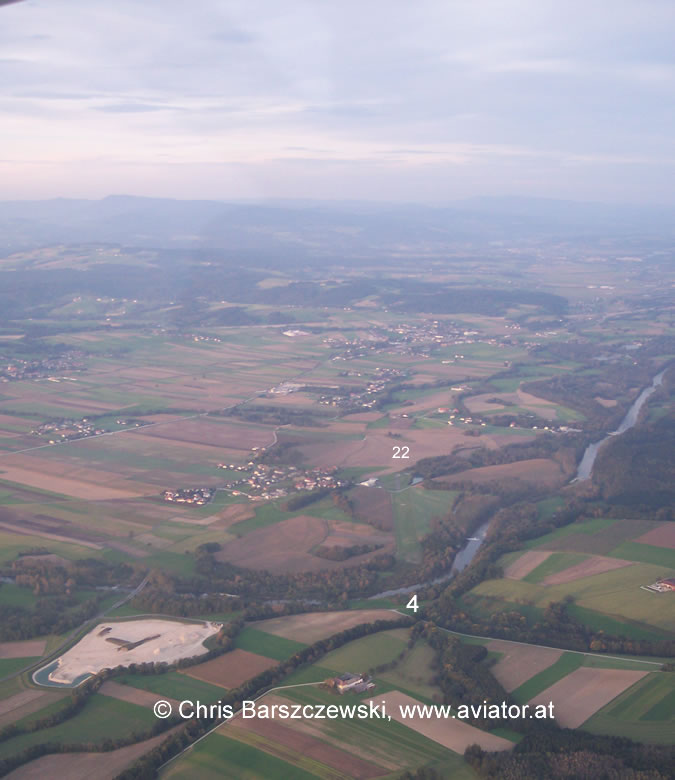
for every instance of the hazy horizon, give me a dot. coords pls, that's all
(385, 102)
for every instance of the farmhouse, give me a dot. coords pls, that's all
(358, 683)
(666, 585)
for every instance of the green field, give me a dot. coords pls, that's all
(173, 685)
(276, 647)
(614, 593)
(645, 553)
(102, 717)
(219, 756)
(645, 712)
(13, 665)
(413, 513)
(365, 653)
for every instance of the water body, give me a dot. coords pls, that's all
(585, 468)
(41, 677)
(462, 560)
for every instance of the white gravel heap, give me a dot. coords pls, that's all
(93, 652)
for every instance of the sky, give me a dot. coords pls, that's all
(391, 100)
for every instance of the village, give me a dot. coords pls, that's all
(17, 369)
(261, 481)
(195, 496)
(70, 429)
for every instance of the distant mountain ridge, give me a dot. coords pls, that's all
(318, 227)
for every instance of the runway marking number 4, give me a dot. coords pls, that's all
(412, 604)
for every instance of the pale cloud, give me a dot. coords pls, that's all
(250, 98)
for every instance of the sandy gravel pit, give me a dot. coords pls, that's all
(126, 642)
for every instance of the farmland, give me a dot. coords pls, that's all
(342, 450)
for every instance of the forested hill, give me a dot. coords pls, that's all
(638, 468)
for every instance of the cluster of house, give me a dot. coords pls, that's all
(356, 683)
(262, 481)
(201, 337)
(194, 496)
(367, 397)
(71, 360)
(666, 585)
(68, 429)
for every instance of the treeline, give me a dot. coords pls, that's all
(44, 575)
(50, 615)
(638, 467)
(545, 446)
(574, 754)
(148, 764)
(268, 414)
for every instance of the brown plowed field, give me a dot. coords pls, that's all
(231, 669)
(285, 547)
(663, 536)
(520, 662)
(452, 733)
(527, 562)
(593, 565)
(30, 648)
(585, 691)
(286, 742)
(25, 703)
(86, 766)
(541, 471)
(313, 626)
(36, 531)
(131, 694)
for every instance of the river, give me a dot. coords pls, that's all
(462, 560)
(585, 468)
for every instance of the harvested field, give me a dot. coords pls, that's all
(85, 766)
(287, 742)
(12, 703)
(30, 648)
(231, 669)
(453, 734)
(520, 662)
(373, 506)
(585, 691)
(596, 564)
(540, 471)
(78, 488)
(527, 562)
(130, 694)
(24, 530)
(233, 514)
(210, 432)
(313, 626)
(285, 547)
(128, 549)
(663, 536)
(282, 547)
